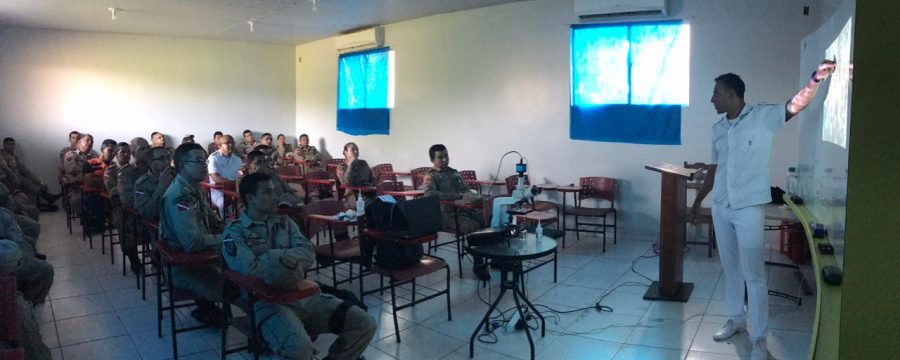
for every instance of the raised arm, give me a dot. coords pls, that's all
(799, 102)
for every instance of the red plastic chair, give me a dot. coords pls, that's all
(388, 186)
(318, 218)
(169, 257)
(384, 172)
(317, 182)
(601, 189)
(418, 176)
(469, 177)
(428, 264)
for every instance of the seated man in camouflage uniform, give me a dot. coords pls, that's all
(188, 223)
(130, 173)
(28, 182)
(74, 136)
(34, 276)
(445, 182)
(272, 247)
(354, 172)
(259, 162)
(152, 185)
(29, 332)
(307, 154)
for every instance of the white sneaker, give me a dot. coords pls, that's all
(730, 328)
(759, 350)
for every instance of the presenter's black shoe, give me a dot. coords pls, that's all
(482, 272)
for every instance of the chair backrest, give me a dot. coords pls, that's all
(469, 175)
(324, 207)
(511, 182)
(290, 170)
(381, 187)
(418, 174)
(598, 187)
(331, 166)
(382, 172)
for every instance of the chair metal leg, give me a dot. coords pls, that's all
(394, 310)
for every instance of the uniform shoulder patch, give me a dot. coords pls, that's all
(230, 247)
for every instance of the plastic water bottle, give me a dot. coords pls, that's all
(792, 182)
(539, 232)
(360, 206)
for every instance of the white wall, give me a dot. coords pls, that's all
(494, 79)
(123, 86)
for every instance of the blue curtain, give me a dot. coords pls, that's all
(629, 82)
(363, 93)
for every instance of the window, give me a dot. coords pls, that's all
(365, 92)
(629, 82)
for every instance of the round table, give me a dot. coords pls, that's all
(511, 253)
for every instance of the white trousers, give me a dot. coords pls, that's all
(218, 200)
(739, 234)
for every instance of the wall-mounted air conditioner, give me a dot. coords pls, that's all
(597, 10)
(369, 38)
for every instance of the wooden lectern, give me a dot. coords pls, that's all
(671, 237)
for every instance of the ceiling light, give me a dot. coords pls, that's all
(112, 12)
(251, 26)
(315, 5)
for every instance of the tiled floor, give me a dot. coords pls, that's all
(95, 313)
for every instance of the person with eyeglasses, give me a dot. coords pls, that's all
(223, 167)
(188, 223)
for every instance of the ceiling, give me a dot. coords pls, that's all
(274, 21)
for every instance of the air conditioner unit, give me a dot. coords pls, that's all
(594, 10)
(359, 40)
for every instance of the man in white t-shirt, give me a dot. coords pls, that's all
(739, 181)
(223, 167)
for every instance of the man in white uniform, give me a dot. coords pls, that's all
(739, 180)
(222, 166)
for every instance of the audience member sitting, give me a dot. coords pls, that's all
(33, 187)
(307, 154)
(34, 275)
(214, 146)
(354, 171)
(223, 166)
(272, 247)
(282, 149)
(259, 162)
(187, 139)
(157, 139)
(188, 223)
(28, 329)
(246, 145)
(73, 144)
(130, 172)
(76, 162)
(445, 182)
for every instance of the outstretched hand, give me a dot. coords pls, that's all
(826, 68)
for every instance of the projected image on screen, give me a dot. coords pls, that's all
(837, 107)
